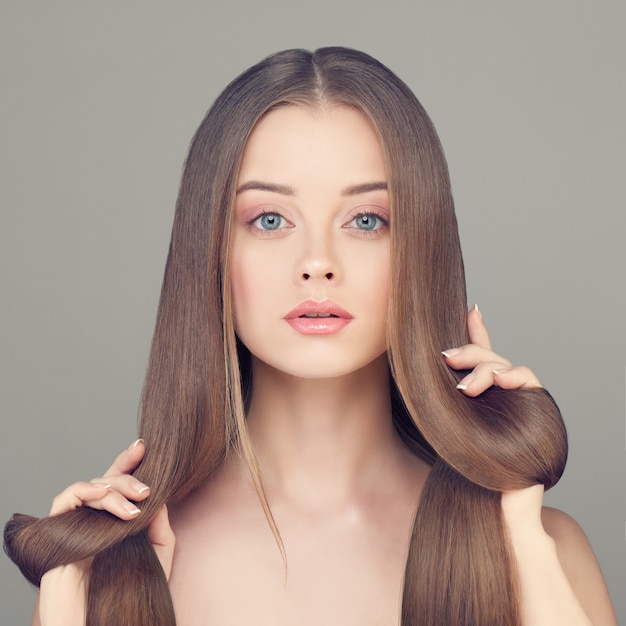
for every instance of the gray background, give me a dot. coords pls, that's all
(98, 103)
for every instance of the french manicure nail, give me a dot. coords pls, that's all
(135, 444)
(463, 384)
(131, 508)
(475, 307)
(102, 485)
(138, 486)
(451, 352)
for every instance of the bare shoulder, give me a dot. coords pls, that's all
(580, 565)
(566, 533)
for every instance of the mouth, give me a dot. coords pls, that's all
(312, 309)
(318, 315)
(318, 318)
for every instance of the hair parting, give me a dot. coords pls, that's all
(459, 569)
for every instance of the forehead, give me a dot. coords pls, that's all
(296, 141)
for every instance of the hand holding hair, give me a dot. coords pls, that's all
(488, 368)
(546, 589)
(62, 598)
(116, 491)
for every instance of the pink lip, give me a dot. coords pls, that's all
(299, 318)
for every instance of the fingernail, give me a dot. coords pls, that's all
(463, 384)
(131, 508)
(475, 307)
(135, 444)
(451, 352)
(140, 487)
(103, 485)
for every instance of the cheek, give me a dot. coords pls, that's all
(251, 287)
(241, 284)
(373, 274)
(382, 301)
(380, 297)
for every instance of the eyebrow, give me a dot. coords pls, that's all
(284, 190)
(355, 190)
(261, 186)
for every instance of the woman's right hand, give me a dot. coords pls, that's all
(62, 597)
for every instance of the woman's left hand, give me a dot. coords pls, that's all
(521, 508)
(560, 580)
(488, 368)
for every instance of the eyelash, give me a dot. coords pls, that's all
(384, 223)
(252, 226)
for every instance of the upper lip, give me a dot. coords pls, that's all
(324, 307)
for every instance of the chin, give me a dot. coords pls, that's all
(329, 369)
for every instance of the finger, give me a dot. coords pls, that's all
(471, 355)
(478, 380)
(162, 538)
(94, 496)
(76, 495)
(125, 484)
(487, 374)
(116, 504)
(518, 377)
(128, 460)
(476, 329)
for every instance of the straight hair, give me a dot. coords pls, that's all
(460, 568)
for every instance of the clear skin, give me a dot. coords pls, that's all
(308, 226)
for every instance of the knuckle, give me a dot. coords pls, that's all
(523, 372)
(57, 501)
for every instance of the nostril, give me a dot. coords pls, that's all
(327, 276)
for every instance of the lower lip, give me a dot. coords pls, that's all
(318, 325)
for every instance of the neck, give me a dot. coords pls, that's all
(321, 441)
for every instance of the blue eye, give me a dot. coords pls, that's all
(268, 221)
(368, 222)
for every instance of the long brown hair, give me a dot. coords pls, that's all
(460, 569)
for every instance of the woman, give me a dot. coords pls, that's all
(322, 459)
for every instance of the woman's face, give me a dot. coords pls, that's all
(310, 247)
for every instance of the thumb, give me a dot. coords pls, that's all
(162, 538)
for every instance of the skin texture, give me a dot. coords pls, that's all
(340, 483)
(318, 249)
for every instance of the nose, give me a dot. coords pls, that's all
(318, 261)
